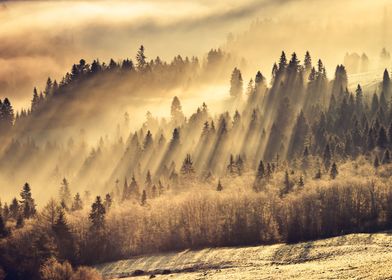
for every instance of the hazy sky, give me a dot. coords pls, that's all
(39, 39)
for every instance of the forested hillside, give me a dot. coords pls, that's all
(296, 158)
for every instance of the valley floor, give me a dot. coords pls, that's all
(354, 256)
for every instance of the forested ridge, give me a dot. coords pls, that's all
(296, 158)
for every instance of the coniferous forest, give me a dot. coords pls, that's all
(290, 153)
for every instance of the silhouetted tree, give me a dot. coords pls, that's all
(144, 198)
(14, 209)
(97, 216)
(219, 188)
(77, 203)
(108, 202)
(376, 162)
(65, 193)
(141, 59)
(334, 171)
(187, 166)
(387, 157)
(236, 83)
(27, 203)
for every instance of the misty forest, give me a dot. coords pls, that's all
(289, 153)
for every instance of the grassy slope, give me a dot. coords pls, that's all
(355, 256)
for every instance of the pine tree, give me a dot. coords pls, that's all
(359, 99)
(148, 182)
(148, 141)
(269, 171)
(240, 165)
(97, 216)
(282, 62)
(236, 83)
(386, 81)
(177, 116)
(65, 193)
(260, 170)
(334, 171)
(141, 59)
(27, 203)
(48, 88)
(35, 101)
(376, 162)
(287, 184)
(231, 166)
(14, 209)
(327, 156)
(108, 202)
(125, 193)
(144, 198)
(154, 191)
(133, 188)
(307, 62)
(64, 237)
(77, 203)
(187, 166)
(6, 116)
(219, 188)
(375, 104)
(301, 182)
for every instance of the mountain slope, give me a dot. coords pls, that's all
(354, 256)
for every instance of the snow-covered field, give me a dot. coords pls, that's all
(355, 256)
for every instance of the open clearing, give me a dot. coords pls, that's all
(354, 256)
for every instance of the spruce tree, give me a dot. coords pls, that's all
(144, 198)
(108, 202)
(219, 188)
(187, 166)
(231, 166)
(240, 165)
(14, 209)
(148, 141)
(307, 61)
(97, 216)
(327, 157)
(376, 162)
(27, 203)
(77, 203)
(148, 182)
(126, 192)
(65, 193)
(286, 183)
(301, 182)
(236, 83)
(260, 170)
(64, 237)
(334, 171)
(141, 59)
